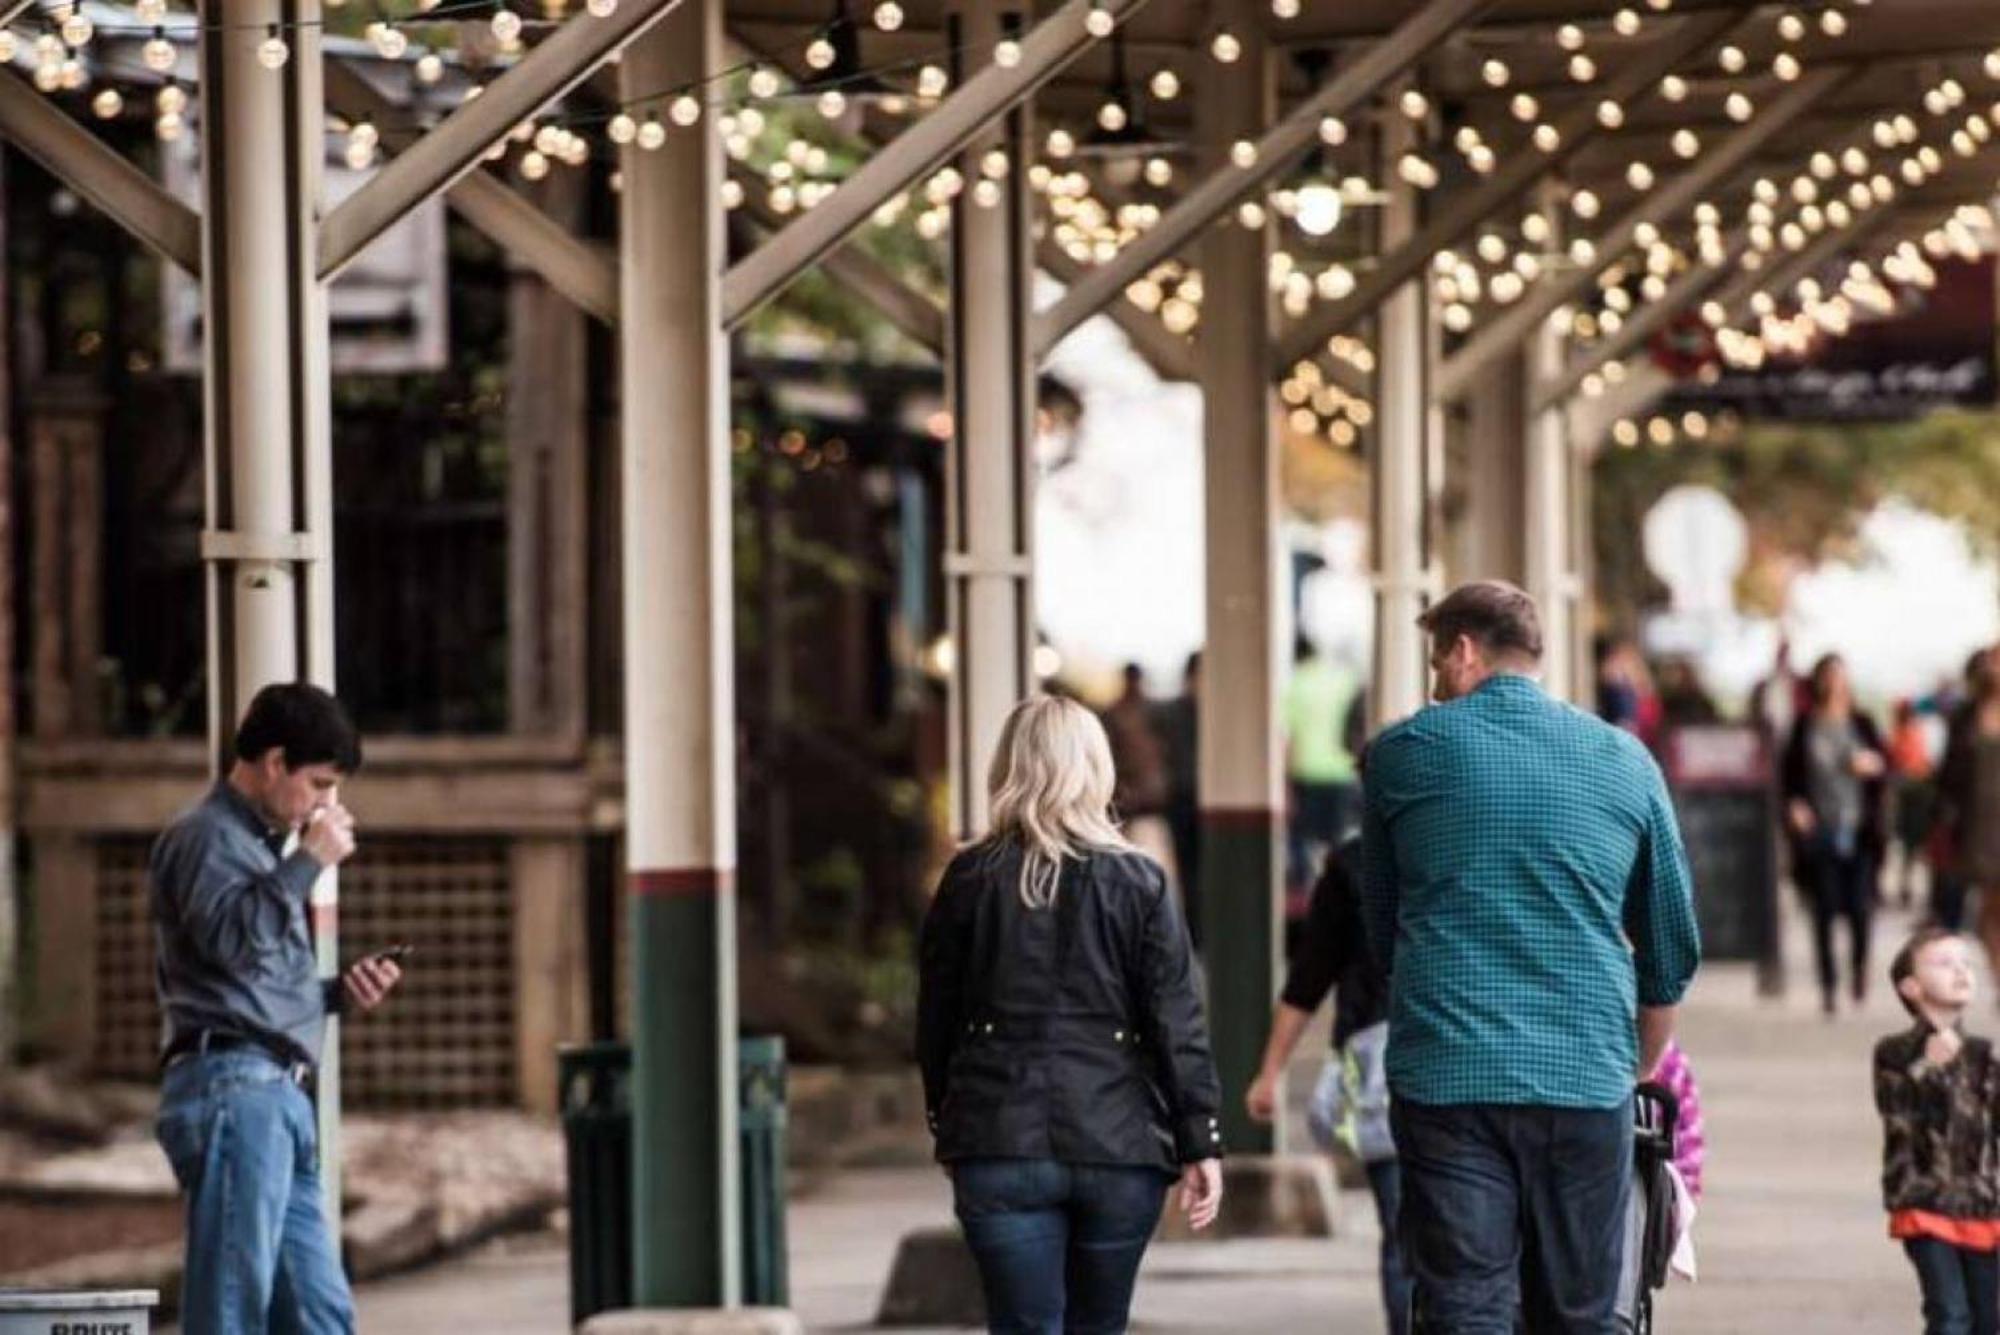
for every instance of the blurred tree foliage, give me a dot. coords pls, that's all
(1804, 489)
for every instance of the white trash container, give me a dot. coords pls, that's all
(42, 1312)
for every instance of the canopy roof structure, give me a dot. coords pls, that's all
(1380, 223)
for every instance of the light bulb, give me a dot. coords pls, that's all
(652, 134)
(1548, 138)
(888, 16)
(1007, 53)
(832, 104)
(158, 53)
(1585, 204)
(1569, 37)
(1111, 116)
(507, 27)
(1251, 214)
(360, 156)
(601, 9)
(150, 11)
(1833, 23)
(1610, 114)
(820, 53)
(172, 99)
(168, 126)
(1166, 85)
(1626, 22)
(272, 53)
(1414, 104)
(1787, 67)
(1284, 9)
(1225, 47)
(932, 81)
(623, 129)
(764, 82)
(1674, 88)
(1099, 21)
(1739, 108)
(685, 111)
(430, 67)
(1582, 68)
(108, 104)
(533, 165)
(1496, 73)
(1243, 153)
(1524, 107)
(1732, 59)
(1332, 131)
(1686, 143)
(76, 30)
(389, 43)
(1639, 176)
(1318, 208)
(10, 46)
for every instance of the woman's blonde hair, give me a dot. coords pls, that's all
(1049, 790)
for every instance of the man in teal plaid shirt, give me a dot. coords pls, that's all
(1525, 884)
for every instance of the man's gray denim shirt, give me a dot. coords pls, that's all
(230, 914)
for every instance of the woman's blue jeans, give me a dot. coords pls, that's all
(1058, 1245)
(260, 1258)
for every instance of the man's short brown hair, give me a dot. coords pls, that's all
(1500, 618)
(1905, 963)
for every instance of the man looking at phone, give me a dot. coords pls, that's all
(245, 1016)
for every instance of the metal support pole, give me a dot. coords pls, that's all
(1242, 797)
(1544, 486)
(1494, 540)
(680, 779)
(1398, 488)
(268, 544)
(989, 487)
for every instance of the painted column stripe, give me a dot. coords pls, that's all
(682, 883)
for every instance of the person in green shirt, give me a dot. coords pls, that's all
(1318, 763)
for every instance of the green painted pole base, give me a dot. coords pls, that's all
(1242, 883)
(685, 1198)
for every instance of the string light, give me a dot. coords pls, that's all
(888, 16)
(1582, 68)
(1495, 73)
(820, 54)
(1007, 53)
(506, 25)
(158, 53)
(623, 129)
(108, 104)
(76, 29)
(1225, 47)
(601, 9)
(272, 53)
(1674, 88)
(1099, 22)
(1166, 85)
(652, 135)
(685, 111)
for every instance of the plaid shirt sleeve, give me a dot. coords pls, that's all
(1378, 868)
(1659, 904)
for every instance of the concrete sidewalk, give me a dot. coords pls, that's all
(1791, 1233)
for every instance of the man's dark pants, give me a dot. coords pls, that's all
(1512, 1210)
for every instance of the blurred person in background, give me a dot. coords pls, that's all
(1178, 724)
(1325, 798)
(1913, 794)
(1968, 811)
(1683, 702)
(1065, 1056)
(1834, 779)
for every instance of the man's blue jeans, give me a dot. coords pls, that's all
(1512, 1210)
(1058, 1245)
(260, 1258)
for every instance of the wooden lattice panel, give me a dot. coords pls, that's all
(447, 1037)
(128, 1009)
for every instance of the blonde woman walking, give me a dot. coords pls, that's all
(1065, 1057)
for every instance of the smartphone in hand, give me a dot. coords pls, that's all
(395, 954)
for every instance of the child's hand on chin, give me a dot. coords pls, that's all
(1942, 1046)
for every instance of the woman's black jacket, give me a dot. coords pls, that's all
(1072, 1033)
(1795, 782)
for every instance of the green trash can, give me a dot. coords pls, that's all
(596, 1103)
